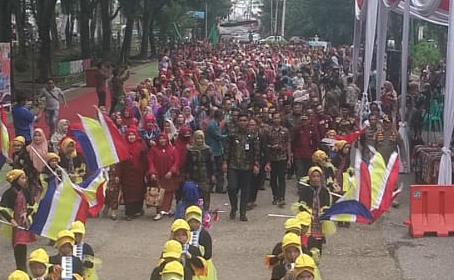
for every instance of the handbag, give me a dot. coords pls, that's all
(154, 196)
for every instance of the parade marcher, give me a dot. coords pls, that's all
(388, 140)
(257, 180)
(15, 207)
(171, 252)
(20, 158)
(48, 174)
(73, 162)
(65, 243)
(162, 160)
(173, 271)
(304, 142)
(38, 149)
(194, 263)
(113, 192)
(199, 166)
(215, 139)
(241, 161)
(201, 239)
(305, 269)
(278, 157)
(291, 250)
(132, 175)
(291, 225)
(150, 131)
(84, 251)
(321, 159)
(314, 193)
(18, 275)
(53, 97)
(38, 262)
(59, 135)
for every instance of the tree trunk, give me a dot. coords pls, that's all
(69, 31)
(93, 23)
(84, 17)
(44, 12)
(106, 27)
(151, 39)
(126, 47)
(20, 28)
(5, 21)
(146, 29)
(54, 31)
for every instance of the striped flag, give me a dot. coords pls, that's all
(64, 203)
(4, 140)
(58, 209)
(373, 188)
(100, 141)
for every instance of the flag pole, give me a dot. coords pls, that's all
(45, 163)
(10, 224)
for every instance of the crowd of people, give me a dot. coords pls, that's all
(248, 113)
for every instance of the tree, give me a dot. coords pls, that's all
(5, 20)
(131, 10)
(332, 20)
(44, 11)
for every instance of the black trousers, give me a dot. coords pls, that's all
(277, 180)
(101, 98)
(133, 208)
(302, 166)
(239, 180)
(218, 160)
(20, 255)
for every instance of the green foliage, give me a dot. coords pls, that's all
(425, 53)
(173, 12)
(332, 20)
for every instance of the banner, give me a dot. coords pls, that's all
(5, 73)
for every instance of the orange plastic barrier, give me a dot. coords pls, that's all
(431, 210)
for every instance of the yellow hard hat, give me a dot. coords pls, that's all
(180, 224)
(19, 139)
(292, 223)
(291, 239)
(39, 256)
(78, 227)
(51, 156)
(194, 212)
(63, 237)
(319, 156)
(172, 249)
(173, 270)
(305, 263)
(18, 275)
(305, 218)
(12, 175)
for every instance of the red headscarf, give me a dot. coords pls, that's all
(135, 148)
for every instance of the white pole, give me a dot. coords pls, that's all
(283, 17)
(382, 30)
(445, 173)
(271, 17)
(276, 18)
(403, 90)
(206, 19)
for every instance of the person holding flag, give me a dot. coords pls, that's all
(15, 207)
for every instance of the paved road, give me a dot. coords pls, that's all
(129, 250)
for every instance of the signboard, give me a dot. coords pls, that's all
(5, 74)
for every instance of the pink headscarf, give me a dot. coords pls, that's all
(38, 152)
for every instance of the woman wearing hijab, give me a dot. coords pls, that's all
(73, 163)
(59, 134)
(199, 163)
(163, 169)
(170, 130)
(150, 130)
(131, 173)
(38, 149)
